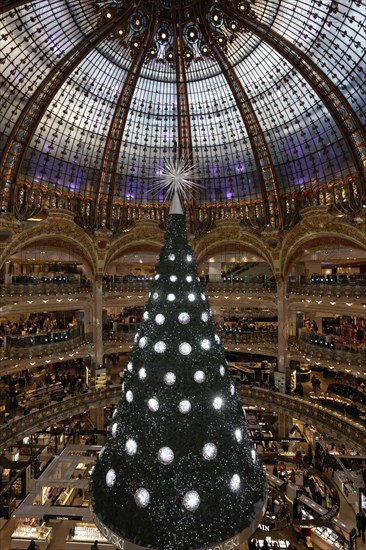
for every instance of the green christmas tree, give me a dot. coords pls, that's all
(178, 471)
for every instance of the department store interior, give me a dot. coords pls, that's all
(260, 104)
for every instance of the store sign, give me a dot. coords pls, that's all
(264, 527)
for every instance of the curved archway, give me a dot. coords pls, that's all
(66, 237)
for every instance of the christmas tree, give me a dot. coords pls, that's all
(178, 471)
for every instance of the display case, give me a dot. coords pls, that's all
(347, 487)
(24, 533)
(337, 535)
(82, 535)
(101, 378)
(66, 497)
(271, 542)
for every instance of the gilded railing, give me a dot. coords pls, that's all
(330, 423)
(30, 200)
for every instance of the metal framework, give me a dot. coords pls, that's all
(37, 104)
(262, 156)
(351, 129)
(107, 179)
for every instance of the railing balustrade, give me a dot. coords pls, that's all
(43, 289)
(332, 423)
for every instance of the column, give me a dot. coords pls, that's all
(283, 332)
(97, 323)
(97, 417)
(284, 425)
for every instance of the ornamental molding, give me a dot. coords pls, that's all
(146, 234)
(229, 234)
(59, 228)
(317, 229)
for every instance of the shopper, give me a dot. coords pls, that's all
(32, 545)
(363, 526)
(358, 524)
(94, 546)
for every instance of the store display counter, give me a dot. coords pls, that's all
(82, 536)
(23, 535)
(337, 535)
(346, 486)
(271, 542)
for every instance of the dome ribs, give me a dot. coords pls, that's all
(106, 183)
(265, 170)
(347, 121)
(38, 103)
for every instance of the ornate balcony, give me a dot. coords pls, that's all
(330, 423)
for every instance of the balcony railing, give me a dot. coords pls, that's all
(306, 289)
(38, 353)
(29, 200)
(43, 289)
(41, 339)
(335, 344)
(330, 423)
(142, 286)
(126, 334)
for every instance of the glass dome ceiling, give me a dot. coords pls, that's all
(265, 98)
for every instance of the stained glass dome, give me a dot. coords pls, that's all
(265, 98)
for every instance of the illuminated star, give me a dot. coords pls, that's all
(175, 177)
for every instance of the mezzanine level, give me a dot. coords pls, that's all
(330, 423)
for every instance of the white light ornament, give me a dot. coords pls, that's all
(170, 378)
(185, 348)
(203, 297)
(232, 389)
(238, 435)
(166, 455)
(142, 373)
(114, 413)
(101, 452)
(142, 342)
(191, 501)
(217, 403)
(145, 315)
(205, 316)
(205, 344)
(170, 297)
(235, 483)
(189, 258)
(155, 296)
(191, 297)
(159, 319)
(189, 278)
(114, 429)
(199, 376)
(209, 451)
(157, 276)
(142, 497)
(222, 370)
(254, 455)
(184, 318)
(110, 478)
(171, 257)
(160, 347)
(129, 396)
(153, 404)
(184, 406)
(129, 366)
(131, 447)
(217, 339)
(173, 278)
